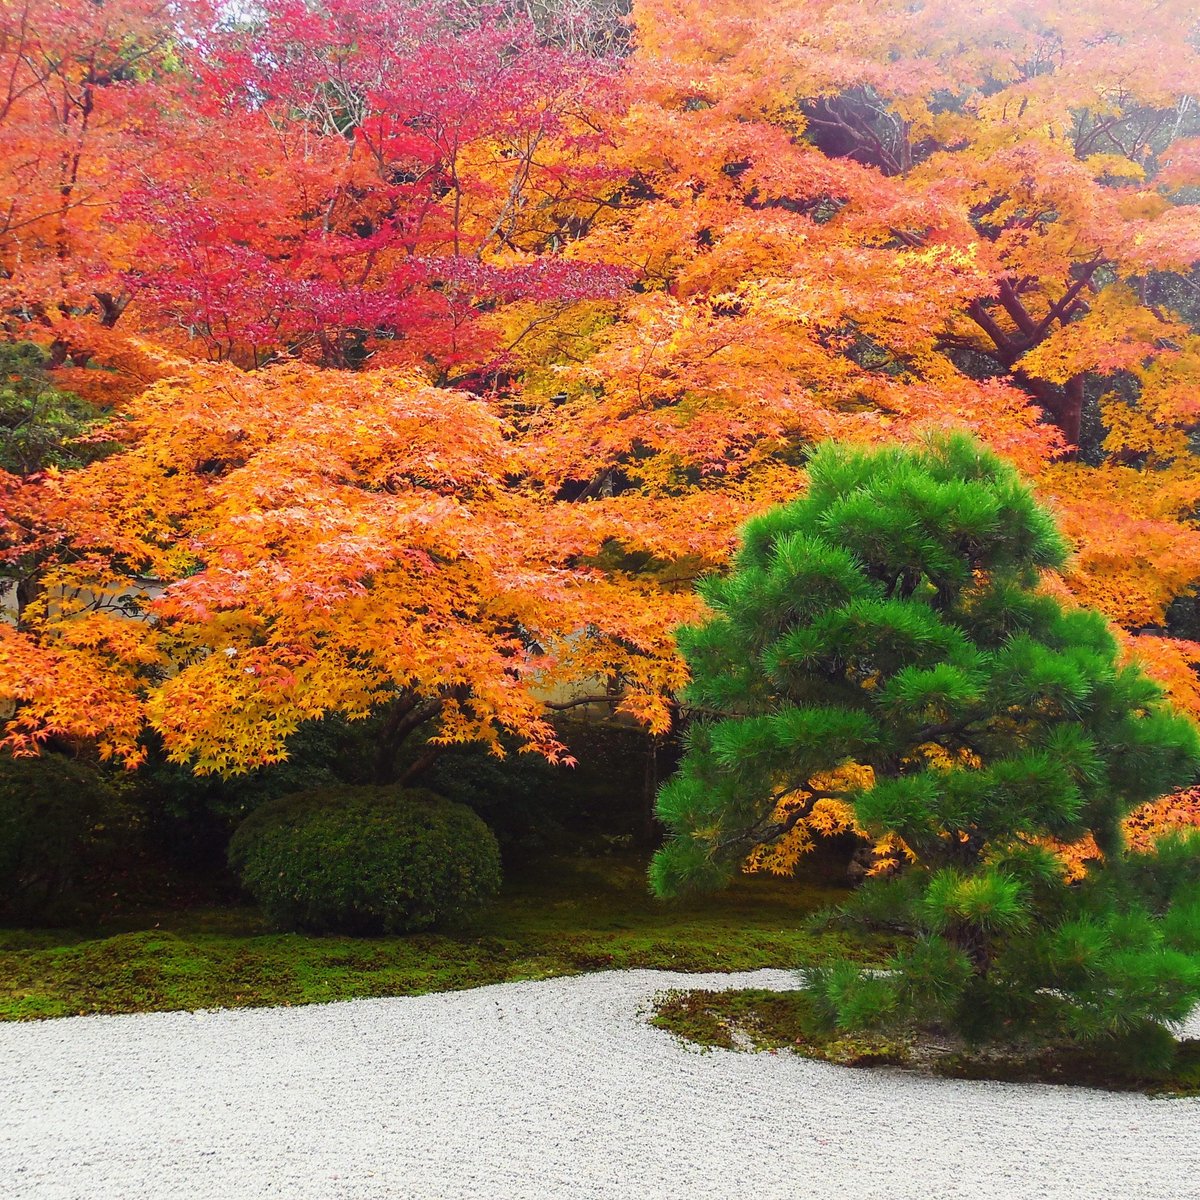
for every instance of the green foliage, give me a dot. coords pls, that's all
(59, 823)
(558, 917)
(518, 795)
(365, 860)
(532, 806)
(535, 808)
(889, 622)
(191, 817)
(37, 421)
(799, 1021)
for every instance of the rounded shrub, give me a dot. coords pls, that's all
(365, 859)
(58, 819)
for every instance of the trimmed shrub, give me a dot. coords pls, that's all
(58, 820)
(365, 860)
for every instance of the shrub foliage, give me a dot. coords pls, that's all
(365, 860)
(59, 821)
(882, 644)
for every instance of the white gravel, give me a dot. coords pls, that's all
(547, 1089)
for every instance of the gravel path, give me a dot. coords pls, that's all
(547, 1089)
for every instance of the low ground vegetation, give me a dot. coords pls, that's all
(758, 1020)
(83, 842)
(61, 823)
(561, 916)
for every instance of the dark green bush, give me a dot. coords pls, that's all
(518, 796)
(535, 808)
(190, 818)
(365, 859)
(60, 822)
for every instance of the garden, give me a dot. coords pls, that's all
(682, 516)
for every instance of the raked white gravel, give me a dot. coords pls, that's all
(546, 1089)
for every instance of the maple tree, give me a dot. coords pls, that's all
(861, 225)
(352, 184)
(298, 542)
(665, 260)
(347, 181)
(880, 648)
(377, 177)
(92, 95)
(1177, 813)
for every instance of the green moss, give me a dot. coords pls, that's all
(754, 1019)
(757, 1020)
(579, 915)
(1185, 1075)
(1085, 1068)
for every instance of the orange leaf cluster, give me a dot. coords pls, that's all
(301, 542)
(1143, 828)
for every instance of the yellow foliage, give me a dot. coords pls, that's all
(1115, 166)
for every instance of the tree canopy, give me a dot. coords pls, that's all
(622, 278)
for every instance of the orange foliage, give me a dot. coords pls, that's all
(91, 98)
(303, 542)
(476, 463)
(1176, 813)
(839, 219)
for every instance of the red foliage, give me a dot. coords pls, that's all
(375, 177)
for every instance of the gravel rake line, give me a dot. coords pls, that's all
(540, 1089)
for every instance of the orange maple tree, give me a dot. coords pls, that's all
(299, 542)
(861, 225)
(1177, 813)
(92, 96)
(618, 301)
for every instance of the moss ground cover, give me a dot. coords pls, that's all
(568, 916)
(757, 1020)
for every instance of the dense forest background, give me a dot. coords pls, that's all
(378, 379)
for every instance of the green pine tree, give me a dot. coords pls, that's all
(891, 618)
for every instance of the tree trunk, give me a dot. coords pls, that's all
(423, 762)
(650, 792)
(407, 713)
(975, 945)
(1063, 405)
(26, 590)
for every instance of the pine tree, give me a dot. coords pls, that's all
(881, 648)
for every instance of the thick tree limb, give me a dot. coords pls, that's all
(578, 702)
(1066, 308)
(408, 713)
(986, 322)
